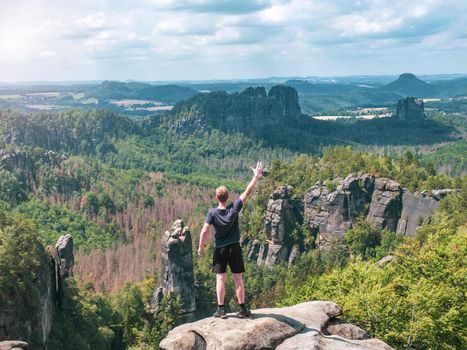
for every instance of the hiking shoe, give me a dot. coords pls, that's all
(220, 313)
(243, 313)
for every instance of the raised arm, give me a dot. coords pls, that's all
(257, 172)
(202, 238)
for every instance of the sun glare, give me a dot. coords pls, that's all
(15, 43)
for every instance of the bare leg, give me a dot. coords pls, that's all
(220, 287)
(239, 287)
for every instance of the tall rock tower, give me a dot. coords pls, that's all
(177, 266)
(410, 108)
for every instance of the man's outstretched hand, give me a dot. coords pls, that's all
(258, 171)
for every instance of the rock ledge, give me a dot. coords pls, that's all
(303, 326)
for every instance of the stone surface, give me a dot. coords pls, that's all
(17, 321)
(288, 100)
(331, 214)
(328, 213)
(416, 210)
(440, 194)
(64, 247)
(262, 254)
(386, 204)
(410, 108)
(13, 345)
(156, 300)
(346, 330)
(281, 217)
(313, 340)
(253, 249)
(298, 327)
(177, 265)
(385, 260)
(294, 254)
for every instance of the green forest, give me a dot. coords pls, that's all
(116, 184)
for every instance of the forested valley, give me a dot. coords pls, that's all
(116, 184)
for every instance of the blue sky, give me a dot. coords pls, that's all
(224, 39)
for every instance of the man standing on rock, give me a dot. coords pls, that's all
(227, 242)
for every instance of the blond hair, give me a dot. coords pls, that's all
(222, 194)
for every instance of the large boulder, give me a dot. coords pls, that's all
(13, 345)
(64, 247)
(410, 108)
(346, 330)
(302, 326)
(177, 265)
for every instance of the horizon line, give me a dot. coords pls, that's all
(213, 80)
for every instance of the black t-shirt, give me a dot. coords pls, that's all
(225, 221)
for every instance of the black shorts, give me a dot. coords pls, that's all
(230, 254)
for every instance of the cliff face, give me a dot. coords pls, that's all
(282, 216)
(31, 319)
(177, 267)
(245, 112)
(410, 108)
(328, 214)
(311, 325)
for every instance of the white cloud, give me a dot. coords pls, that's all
(109, 39)
(93, 21)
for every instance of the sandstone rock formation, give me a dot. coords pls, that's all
(346, 330)
(282, 216)
(410, 108)
(381, 201)
(303, 326)
(416, 209)
(288, 100)
(177, 266)
(13, 345)
(386, 204)
(17, 320)
(64, 247)
(248, 111)
(328, 214)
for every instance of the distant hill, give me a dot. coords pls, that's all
(319, 97)
(452, 88)
(110, 90)
(409, 85)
